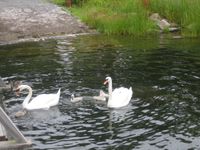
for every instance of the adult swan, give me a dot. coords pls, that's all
(119, 97)
(43, 101)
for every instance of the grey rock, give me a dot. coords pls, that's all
(3, 86)
(163, 24)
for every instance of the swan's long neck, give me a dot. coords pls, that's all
(110, 89)
(28, 97)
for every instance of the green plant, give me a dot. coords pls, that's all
(59, 2)
(115, 16)
(131, 17)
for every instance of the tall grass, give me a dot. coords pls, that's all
(115, 16)
(186, 13)
(59, 2)
(131, 17)
(74, 2)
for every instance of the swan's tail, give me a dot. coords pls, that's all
(59, 91)
(130, 93)
(58, 96)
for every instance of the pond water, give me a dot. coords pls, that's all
(164, 112)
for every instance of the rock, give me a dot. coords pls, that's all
(155, 17)
(163, 24)
(3, 86)
(173, 29)
(8, 86)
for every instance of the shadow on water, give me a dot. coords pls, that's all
(164, 73)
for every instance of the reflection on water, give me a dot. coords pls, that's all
(163, 113)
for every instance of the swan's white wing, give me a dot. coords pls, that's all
(44, 101)
(41, 101)
(120, 93)
(120, 97)
(56, 99)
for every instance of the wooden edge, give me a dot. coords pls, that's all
(5, 145)
(11, 128)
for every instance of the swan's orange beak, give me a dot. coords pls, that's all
(105, 82)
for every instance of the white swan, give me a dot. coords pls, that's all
(43, 101)
(119, 97)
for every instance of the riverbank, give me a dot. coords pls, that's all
(23, 20)
(116, 17)
(132, 17)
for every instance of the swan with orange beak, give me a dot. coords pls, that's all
(118, 97)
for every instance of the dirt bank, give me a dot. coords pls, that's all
(23, 19)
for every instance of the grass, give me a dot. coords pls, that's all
(59, 2)
(186, 13)
(131, 17)
(63, 2)
(115, 16)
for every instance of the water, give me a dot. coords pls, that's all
(163, 72)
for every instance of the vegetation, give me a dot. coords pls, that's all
(186, 13)
(132, 17)
(63, 2)
(59, 2)
(116, 16)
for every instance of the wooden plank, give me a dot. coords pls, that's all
(8, 145)
(3, 134)
(11, 129)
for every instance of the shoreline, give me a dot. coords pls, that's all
(33, 20)
(43, 38)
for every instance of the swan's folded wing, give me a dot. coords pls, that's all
(42, 101)
(121, 96)
(121, 92)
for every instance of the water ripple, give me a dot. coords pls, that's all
(162, 114)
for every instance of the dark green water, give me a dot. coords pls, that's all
(164, 112)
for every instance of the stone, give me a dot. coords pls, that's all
(155, 17)
(163, 24)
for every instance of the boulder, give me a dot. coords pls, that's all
(163, 24)
(4, 86)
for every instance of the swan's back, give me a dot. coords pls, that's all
(44, 101)
(120, 97)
